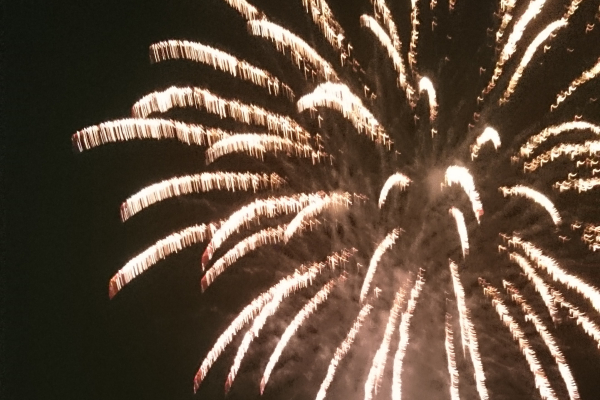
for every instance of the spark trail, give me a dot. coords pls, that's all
(384, 246)
(451, 356)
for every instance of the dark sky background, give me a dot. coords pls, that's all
(71, 64)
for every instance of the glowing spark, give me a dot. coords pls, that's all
(536, 140)
(247, 10)
(462, 177)
(462, 229)
(414, 35)
(221, 61)
(539, 375)
(397, 179)
(452, 370)
(488, 135)
(581, 185)
(536, 197)
(404, 329)
(584, 78)
(341, 351)
(467, 332)
(323, 17)
(384, 246)
(426, 85)
(384, 13)
(197, 184)
(547, 337)
(572, 150)
(588, 326)
(506, 6)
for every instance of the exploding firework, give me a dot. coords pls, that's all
(355, 165)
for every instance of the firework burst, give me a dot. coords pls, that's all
(365, 171)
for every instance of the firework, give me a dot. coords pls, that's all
(488, 135)
(451, 356)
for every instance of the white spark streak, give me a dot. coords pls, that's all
(581, 185)
(341, 351)
(535, 196)
(468, 334)
(426, 85)
(397, 179)
(247, 10)
(323, 17)
(488, 135)
(584, 78)
(536, 140)
(414, 35)
(452, 370)
(123, 130)
(462, 176)
(462, 229)
(404, 329)
(385, 245)
(197, 184)
(588, 326)
(571, 150)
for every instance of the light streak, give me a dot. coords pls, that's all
(488, 135)
(414, 35)
(323, 17)
(311, 211)
(462, 229)
(397, 179)
(587, 76)
(462, 176)
(426, 85)
(571, 150)
(384, 246)
(536, 140)
(536, 197)
(586, 323)
(451, 356)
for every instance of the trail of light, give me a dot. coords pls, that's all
(581, 185)
(404, 329)
(549, 264)
(528, 56)
(547, 337)
(588, 326)
(426, 85)
(158, 251)
(303, 277)
(201, 99)
(397, 179)
(468, 334)
(251, 243)
(383, 12)
(221, 61)
(323, 17)
(539, 284)
(393, 52)
(122, 130)
(539, 375)
(587, 76)
(506, 6)
(452, 370)
(488, 135)
(462, 229)
(536, 140)
(414, 35)
(301, 52)
(534, 8)
(338, 96)
(385, 245)
(572, 150)
(292, 328)
(197, 184)
(536, 197)
(377, 369)
(256, 145)
(271, 207)
(341, 351)
(247, 10)
(591, 236)
(258, 324)
(462, 176)
(311, 211)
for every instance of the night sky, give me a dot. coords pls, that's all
(67, 65)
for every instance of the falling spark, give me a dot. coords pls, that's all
(571, 150)
(247, 10)
(536, 140)
(581, 185)
(536, 197)
(341, 351)
(506, 6)
(587, 76)
(588, 326)
(462, 229)
(397, 179)
(547, 337)
(323, 17)
(462, 177)
(414, 35)
(452, 370)
(488, 135)
(426, 85)
(539, 375)
(384, 246)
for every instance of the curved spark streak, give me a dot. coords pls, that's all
(536, 197)
(271, 207)
(528, 56)
(462, 177)
(221, 61)
(247, 10)
(338, 96)
(468, 334)
(122, 130)
(462, 229)
(452, 370)
(377, 369)
(308, 309)
(202, 99)
(323, 17)
(158, 251)
(547, 337)
(384, 13)
(572, 150)
(397, 179)
(341, 351)
(256, 145)
(556, 272)
(588, 326)
(488, 135)
(581, 185)
(404, 329)
(199, 183)
(544, 290)
(300, 50)
(587, 76)
(426, 85)
(539, 375)
(384, 246)
(536, 140)
(251, 243)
